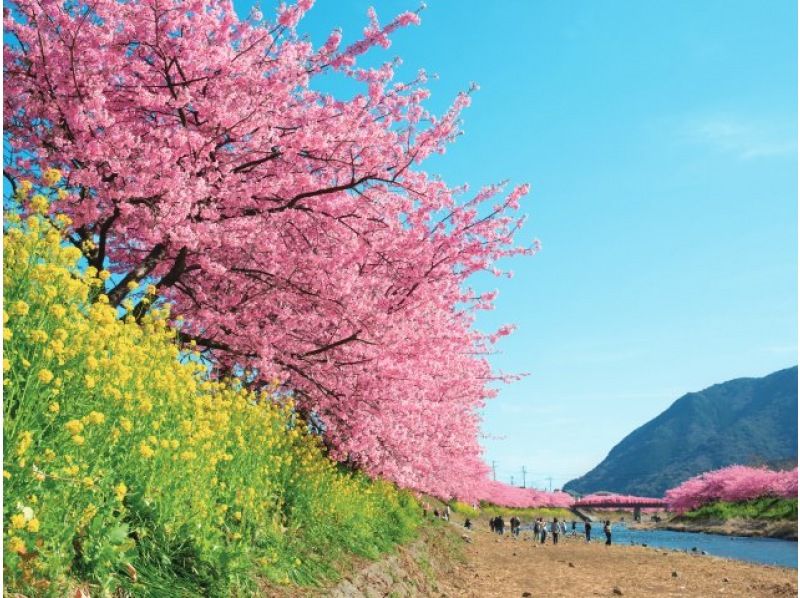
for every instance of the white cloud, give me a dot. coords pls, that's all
(747, 139)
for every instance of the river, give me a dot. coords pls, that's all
(767, 551)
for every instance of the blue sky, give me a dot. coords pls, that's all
(660, 142)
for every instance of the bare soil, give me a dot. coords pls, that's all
(448, 562)
(520, 567)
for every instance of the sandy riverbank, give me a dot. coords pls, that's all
(505, 567)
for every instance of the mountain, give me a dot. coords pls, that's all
(748, 421)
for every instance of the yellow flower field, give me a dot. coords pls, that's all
(128, 469)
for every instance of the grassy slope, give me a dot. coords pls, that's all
(772, 509)
(127, 470)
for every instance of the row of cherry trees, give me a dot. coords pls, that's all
(295, 232)
(732, 484)
(592, 500)
(499, 493)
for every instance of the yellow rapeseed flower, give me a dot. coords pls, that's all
(45, 376)
(33, 525)
(38, 336)
(146, 451)
(40, 204)
(25, 440)
(20, 308)
(51, 176)
(18, 521)
(88, 514)
(24, 187)
(120, 490)
(95, 417)
(54, 407)
(15, 544)
(74, 426)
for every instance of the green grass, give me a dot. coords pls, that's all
(762, 508)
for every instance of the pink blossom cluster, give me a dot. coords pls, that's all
(591, 500)
(732, 484)
(506, 495)
(294, 232)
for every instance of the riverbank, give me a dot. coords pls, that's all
(752, 528)
(496, 567)
(447, 560)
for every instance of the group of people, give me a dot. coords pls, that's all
(443, 514)
(541, 528)
(498, 525)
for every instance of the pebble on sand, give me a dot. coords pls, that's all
(617, 591)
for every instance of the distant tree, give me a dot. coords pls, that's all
(732, 484)
(293, 231)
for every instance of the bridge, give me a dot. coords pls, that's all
(606, 500)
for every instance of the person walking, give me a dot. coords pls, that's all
(492, 522)
(543, 534)
(501, 524)
(468, 523)
(607, 531)
(573, 527)
(555, 529)
(587, 527)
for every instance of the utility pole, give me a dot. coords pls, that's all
(550, 482)
(512, 480)
(524, 471)
(494, 470)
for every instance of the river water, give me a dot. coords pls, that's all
(768, 551)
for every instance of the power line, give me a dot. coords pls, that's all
(524, 471)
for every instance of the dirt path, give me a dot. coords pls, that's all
(507, 567)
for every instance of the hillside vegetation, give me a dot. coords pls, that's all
(762, 508)
(750, 421)
(127, 468)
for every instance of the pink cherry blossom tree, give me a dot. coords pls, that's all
(732, 484)
(295, 232)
